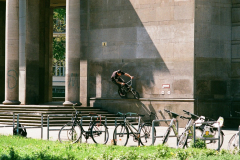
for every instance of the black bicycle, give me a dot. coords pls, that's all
(73, 131)
(128, 88)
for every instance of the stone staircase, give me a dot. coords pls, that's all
(35, 111)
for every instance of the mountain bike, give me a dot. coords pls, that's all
(233, 143)
(201, 131)
(73, 131)
(124, 130)
(188, 130)
(171, 126)
(125, 89)
(146, 131)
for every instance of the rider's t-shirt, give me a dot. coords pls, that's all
(115, 76)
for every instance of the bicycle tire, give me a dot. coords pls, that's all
(99, 133)
(213, 144)
(146, 134)
(119, 93)
(198, 132)
(120, 135)
(183, 140)
(166, 135)
(135, 94)
(233, 143)
(65, 133)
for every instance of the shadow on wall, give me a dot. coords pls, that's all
(128, 47)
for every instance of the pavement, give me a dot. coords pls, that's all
(160, 130)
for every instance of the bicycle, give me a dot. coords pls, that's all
(146, 132)
(128, 88)
(73, 131)
(209, 130)
(123, 130)
(171, 126)
(233, 143)
(188, 130)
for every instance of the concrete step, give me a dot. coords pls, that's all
(51, 110)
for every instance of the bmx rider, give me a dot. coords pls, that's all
(116, 79)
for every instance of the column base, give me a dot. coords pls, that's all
(8, 102)
(68, 103)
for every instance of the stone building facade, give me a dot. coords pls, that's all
(184, 54)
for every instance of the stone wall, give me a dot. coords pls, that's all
(212, 50)
(235, 65)
(2, 49)
(151, 40)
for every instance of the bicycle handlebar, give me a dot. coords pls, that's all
(192, 115)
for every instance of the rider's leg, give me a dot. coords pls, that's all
(119, 86)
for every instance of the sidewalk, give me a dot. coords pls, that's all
(172, 141)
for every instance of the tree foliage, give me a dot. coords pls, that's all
(59, 26)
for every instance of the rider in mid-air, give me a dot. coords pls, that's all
(116, 78)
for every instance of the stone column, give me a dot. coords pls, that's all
(32, 48)
(72, 82)
(22, 41)
(11, 52)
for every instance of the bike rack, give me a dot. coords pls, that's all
(11, 113)
(162, 120)
(48, 121)
(127, 118)
(29, 126)
(203, 138)
(98, 116)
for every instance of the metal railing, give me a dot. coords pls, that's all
(30, 127)
(55, 115)
(130, 118)
(9, 113)
(206, 138)
(97, 116)
(153, 126)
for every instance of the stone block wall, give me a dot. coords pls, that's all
(151, 40)
(212, 50)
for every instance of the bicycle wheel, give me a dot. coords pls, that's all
(70, 133)
(135, 94)
(166, 135)
(146, 134)
(213, 144)
(122, 96)
(198, 133)
(120, 135)
(233, 143)
(99, 133)
(183, 140)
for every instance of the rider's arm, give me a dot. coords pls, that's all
(128, 75)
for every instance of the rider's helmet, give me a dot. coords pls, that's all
(119, 71)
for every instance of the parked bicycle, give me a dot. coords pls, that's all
(233, 143)
(146, 131)
(73, 131)
(171, 126)
(128, 88)
(209, 130)
(188, 130)
(141, 133)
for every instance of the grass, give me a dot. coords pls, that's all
(18, 148)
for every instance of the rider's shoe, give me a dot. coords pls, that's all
(122, 95)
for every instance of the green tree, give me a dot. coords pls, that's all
(59, 27)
